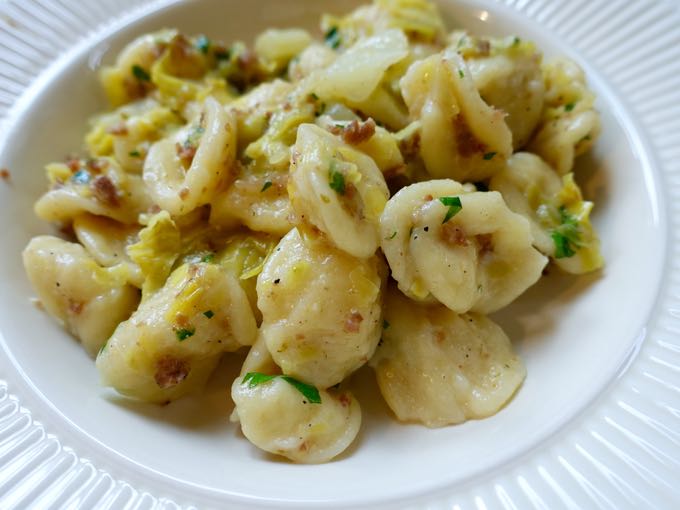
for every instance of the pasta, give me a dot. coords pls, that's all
(364, 200)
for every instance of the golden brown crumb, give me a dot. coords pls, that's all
(454, 235)
(356, 132)
(353, 322)
(105, 191)
(170, 371)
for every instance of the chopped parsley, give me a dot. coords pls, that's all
(461, 73)
(140, 73)
(394, 234)
(332, 38)
(313, 96)
(184, 333)
(203, 44)
(81, 177)
(134, 154)
(253, 379)
(489, 155)
(516, 41)
(385, 324)
(567, 236)
(208, 258)
(569, 107)
(266, 186)
(336, 180)
(454, 205)
(209, 314)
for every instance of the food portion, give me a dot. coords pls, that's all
(363, 198)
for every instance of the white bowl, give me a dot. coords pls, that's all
(576, 335)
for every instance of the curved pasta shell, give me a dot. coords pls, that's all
(180, 191)
(348, 213)
(173, 341)
(479, 259)
(460, 135)
(106, 241)
(276, 418)
(110, 192)
(555, 209)
(439, 368)
(320, 309)
(89, 299)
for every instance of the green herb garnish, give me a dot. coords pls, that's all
(567, 236)
(208, 258)
(454, 205)
(461, 73)
(184, 333)
(266, 186)
(569, 107)
(140, 73)
(209, 314)
(332, 38)
(385, 324)
(253, 379)
(394, 234)
(489, 155)
(203, 44)
(516, 41)
(336, 180)
(134, 154)
(81, 177)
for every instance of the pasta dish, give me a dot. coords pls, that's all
(368, 197)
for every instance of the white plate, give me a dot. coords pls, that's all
(597, 422)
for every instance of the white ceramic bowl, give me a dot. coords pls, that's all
(578, 336)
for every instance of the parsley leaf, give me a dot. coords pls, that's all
(134, 154)
(566, 236)
(394, 234)
(454, 205)
(209, 314)
(208, 258)
(203, 44)
(489, 155)
(385, 324)
(140, 73)
(332, 38)
(183, 334)
(266, 186)
(253, 379)
(336, 180)
(569, 107)
(461, 73)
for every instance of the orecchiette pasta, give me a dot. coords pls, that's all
(88, 299)
(173, 341)
(269, 197)
(467, 249)
(337, 189)
(461, 137)
(570, 124)
(183, 171)
(321, 309)
(507, 73)
(436, 367)
(557, 213)
(97, 186)
(274, 416)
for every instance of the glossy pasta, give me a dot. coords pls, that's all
(363, 200)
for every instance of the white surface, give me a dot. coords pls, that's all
(597, 423)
